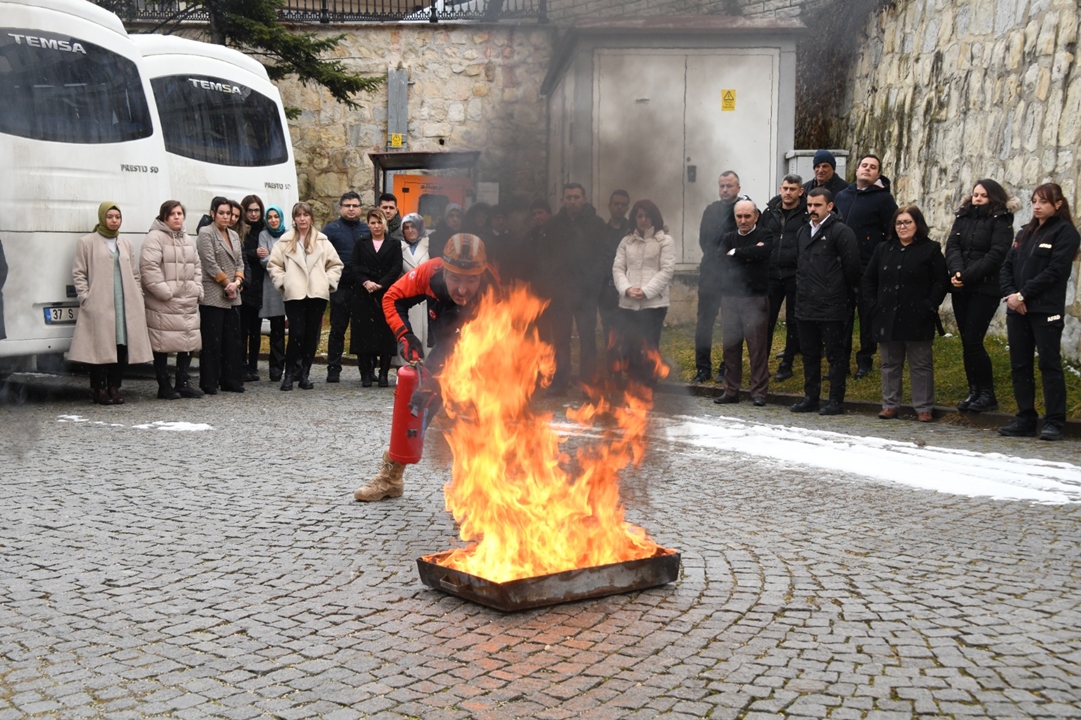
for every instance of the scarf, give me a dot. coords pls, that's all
(101, 228)
(281, 226)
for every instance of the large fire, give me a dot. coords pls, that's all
(520, 511)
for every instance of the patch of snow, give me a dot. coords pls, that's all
(175, 426)
(70, 418)
(957, 472)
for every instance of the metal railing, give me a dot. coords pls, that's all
(344, 11)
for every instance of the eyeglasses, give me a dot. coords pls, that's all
(904, 223)
(351, 206)
(254, 210)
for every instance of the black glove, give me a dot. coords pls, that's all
(410, 347)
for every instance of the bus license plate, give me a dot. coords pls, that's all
(61, 315)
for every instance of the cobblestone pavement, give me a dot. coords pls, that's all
(228, 573)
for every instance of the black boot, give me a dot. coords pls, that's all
(985, 402)
(384, 371)
(973, 393)
(303, 382)
(287, 381)
(183, 379)
(365, 364)
(165, 389)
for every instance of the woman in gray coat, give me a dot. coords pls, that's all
(273, 308)
(172, 280)
(223, 272)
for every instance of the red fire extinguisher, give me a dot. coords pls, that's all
(410, 408)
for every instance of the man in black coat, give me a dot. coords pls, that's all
(619, 227)
(785, 215)
(867, 207)
(343, 234)
(825, 170)
(827, 274)
(745, 256)
(575, 239)
(389, 205)
(717, 220)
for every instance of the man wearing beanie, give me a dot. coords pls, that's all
(825, 167)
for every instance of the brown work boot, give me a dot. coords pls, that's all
(387, 483)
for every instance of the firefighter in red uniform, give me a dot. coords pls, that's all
(450, 285)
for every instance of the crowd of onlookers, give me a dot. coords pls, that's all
(827, 251)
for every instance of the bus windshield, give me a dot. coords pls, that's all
(219, 121)
(61, 89)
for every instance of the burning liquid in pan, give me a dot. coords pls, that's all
(521, 512)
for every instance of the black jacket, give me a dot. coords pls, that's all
(785, 226)
(3, 279)
(574, 269)
(903, 287)
(746, 271)
(977, 247)
(869, 212)
(251, 292)
(343, 235)
(828, 272)
(835, 185)
(371, 334)
(609, 296)
(1038, 266)
(717, 220)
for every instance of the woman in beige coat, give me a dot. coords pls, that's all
(110, 331)
(219, 320)
(306, 268)
(173, 283)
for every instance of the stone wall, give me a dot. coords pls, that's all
(570, 10)
(473, 87)
(947, 92)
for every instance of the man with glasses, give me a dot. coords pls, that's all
(343, 234)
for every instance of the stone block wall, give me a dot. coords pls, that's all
(947, 92)
(571, 10)
(472, 87)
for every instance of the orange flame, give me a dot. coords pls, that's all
(520, 511)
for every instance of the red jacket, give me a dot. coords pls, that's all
(426, 283)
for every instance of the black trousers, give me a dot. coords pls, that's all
(110, 374)
(161, 367)
(611, 313)
(638, 334)
(251, 337)
(866, 354)
(814, 336)
(709, 304)
(305, 324)
(220, 359)
(974, 314)
(341, 304)
(1026, 334)
(277, 344)
(562, 319)
(784, 290)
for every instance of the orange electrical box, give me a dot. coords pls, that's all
(429, 195)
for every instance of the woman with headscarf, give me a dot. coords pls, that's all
(306, 268)
(453, 220)
(110, 331)
(222, 262)
(415, 253)
(251, 292)
(273, 307)
(377, 263)
(172, 281)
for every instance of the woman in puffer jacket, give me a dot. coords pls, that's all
(642, 272)
(977, 247)
(173, 288)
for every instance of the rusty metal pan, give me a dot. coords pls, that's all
(569, 586)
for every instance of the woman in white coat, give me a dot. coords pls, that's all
(306, 268)
(414, 253)
(642, 272)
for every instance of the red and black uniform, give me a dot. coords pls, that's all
(445, 318)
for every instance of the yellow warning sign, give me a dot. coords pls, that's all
(396, 140)
(728, 100)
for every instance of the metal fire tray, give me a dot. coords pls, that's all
(534, 592)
